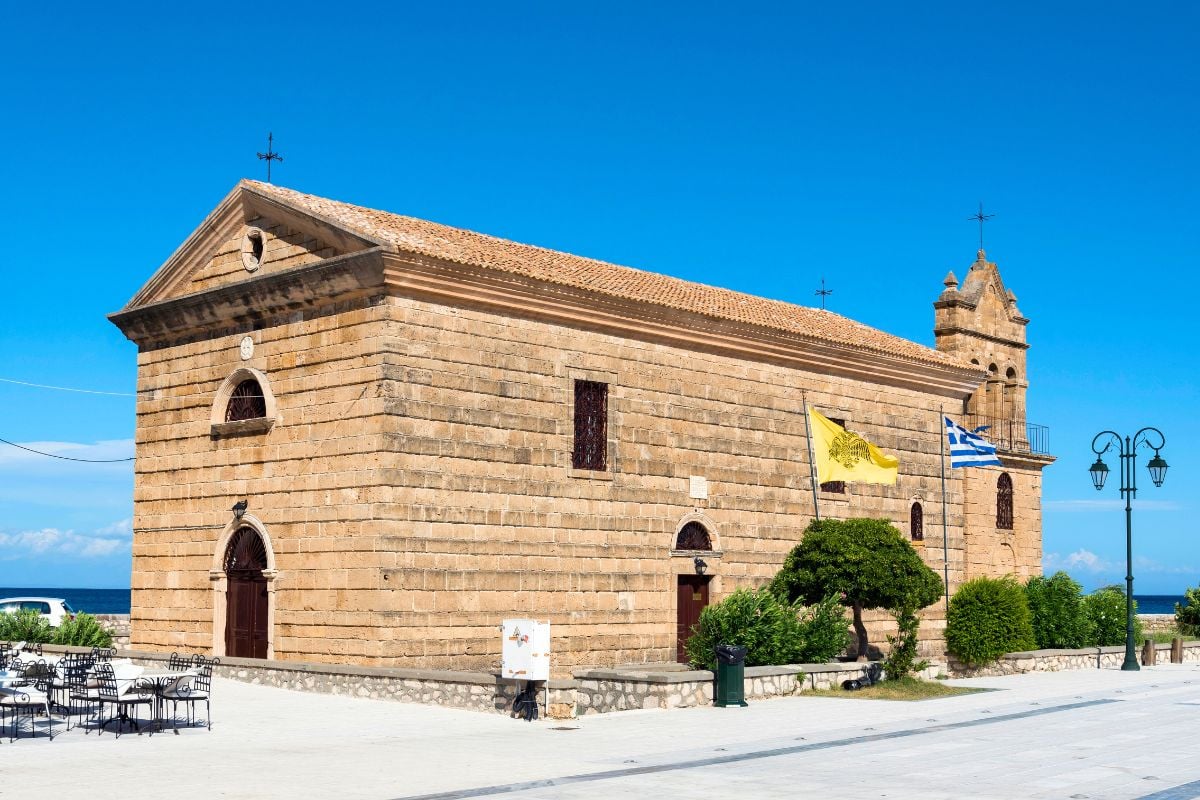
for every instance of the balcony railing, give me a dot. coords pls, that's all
(1012, 435)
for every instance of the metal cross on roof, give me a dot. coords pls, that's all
(982, 217)
(823, 292)
(270, 156)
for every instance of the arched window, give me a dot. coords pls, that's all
(1004, 502)
(246, 402)
(693, 536)
(916, 523)
(246, 552)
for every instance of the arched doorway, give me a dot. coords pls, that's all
(247, 621)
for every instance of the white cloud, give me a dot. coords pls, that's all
(1082, 560)
(122, 527)
(1087, 506)
(1143, 564)
(55, 542)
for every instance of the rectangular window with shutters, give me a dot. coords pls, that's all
(591, 426)
(836, 487)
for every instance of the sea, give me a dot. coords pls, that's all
(1158, 603)
(93, 601)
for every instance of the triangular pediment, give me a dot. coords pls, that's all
(251, 233)
(983, 290)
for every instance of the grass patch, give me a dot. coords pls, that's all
(1163, 637)
(907, 688)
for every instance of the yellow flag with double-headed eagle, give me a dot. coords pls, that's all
(842, 455)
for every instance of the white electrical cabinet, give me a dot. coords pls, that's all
(525, 650)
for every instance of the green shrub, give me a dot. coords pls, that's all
(83, 631)
(901, 659)
(24, 626)
(772, 631)
(1105, 609)
(1187, 617)
(824, 631)
(988, 617)
(1059, 617)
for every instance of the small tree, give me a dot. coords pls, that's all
(1059, 616)
(1187, 617)
(867, 563)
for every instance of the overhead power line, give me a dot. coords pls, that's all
(66, 388)
(65, 458)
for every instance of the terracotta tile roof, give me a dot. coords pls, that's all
(468, 247)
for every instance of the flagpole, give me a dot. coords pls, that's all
(812, 463)
(945, 525)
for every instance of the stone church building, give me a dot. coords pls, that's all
(368, 438)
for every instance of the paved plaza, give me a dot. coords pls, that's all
(1080, 735)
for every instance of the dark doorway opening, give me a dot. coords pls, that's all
(692, 592)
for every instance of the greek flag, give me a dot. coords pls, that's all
(968, 448)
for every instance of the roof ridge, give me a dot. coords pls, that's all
(466, 246)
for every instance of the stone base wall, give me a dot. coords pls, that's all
(1058, 660)
(118, 626)
(1157, 623)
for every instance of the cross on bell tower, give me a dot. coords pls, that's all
(982, 218)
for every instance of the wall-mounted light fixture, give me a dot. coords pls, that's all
(239, 508)
(701, 565)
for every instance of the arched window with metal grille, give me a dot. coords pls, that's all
(246, 402)
(1004, 502)
(916, 523)
(693, 536)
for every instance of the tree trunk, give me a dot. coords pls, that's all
(860, 630)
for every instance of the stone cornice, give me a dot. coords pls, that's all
(429, 279)
(953, 329)
(255, 299)
(1025, 460)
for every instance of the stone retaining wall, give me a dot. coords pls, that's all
(1155, 623)
(1057, 660)
(118, 625)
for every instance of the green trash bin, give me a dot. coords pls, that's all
(731, 676)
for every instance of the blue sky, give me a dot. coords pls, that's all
(758, 148)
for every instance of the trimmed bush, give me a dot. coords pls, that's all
(1105, 609)
(1059, 617)
(25, 626)
(825, 632)
(988, 617)
(1187, 617)
(83, 631)
(772, 631)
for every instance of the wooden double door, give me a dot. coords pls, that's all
(692, 594)
(246, 616)
(247, 601)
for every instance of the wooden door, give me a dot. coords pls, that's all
(246, 616)
(692, 598)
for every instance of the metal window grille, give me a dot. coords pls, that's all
(591, 426)
(246, 402)
(246, 552)
(1004, 502)
(916, 523)
(836, 487)
(693, 536)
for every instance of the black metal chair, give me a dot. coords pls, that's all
(102, 654)
(28, 696)
(79, 693)
(198, 689)
(108, 693)
(179, 663)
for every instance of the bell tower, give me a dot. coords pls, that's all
(979, 322)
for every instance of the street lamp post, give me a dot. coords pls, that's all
(1127, 448)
